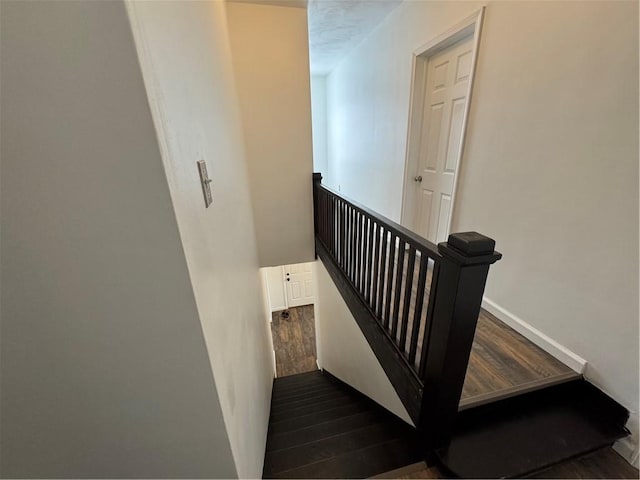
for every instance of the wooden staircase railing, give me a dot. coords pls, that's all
(416, 303)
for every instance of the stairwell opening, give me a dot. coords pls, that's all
(289, 303)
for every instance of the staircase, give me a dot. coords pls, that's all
(321, 428)
(417, 304)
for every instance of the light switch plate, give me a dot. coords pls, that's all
(206, 183)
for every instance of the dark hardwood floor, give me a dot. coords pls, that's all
(601, 464)
(605, 463)
(504, 361)
(294, 340)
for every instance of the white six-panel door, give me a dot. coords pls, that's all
(445, 100)
(299, 284)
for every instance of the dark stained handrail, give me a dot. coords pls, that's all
(412, 238)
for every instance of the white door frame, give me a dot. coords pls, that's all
(472, 25)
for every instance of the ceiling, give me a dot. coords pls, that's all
(337, 26)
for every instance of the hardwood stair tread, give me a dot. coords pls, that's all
(299, 378)
(331, 430)
(320, 431)
(320, 406)
(317, 417)
(307, 453)
(362, 463)
(279, 398)
(278, 407)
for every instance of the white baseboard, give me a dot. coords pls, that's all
(275, 370)
(628, 450)
(628, 447)
(562, 353)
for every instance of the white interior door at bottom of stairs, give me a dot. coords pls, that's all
(299, 284)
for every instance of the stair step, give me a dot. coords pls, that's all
(298, 379)
(319, 406)
(279, 388)
(362, 463)
(302, 394)
(317, 417)
(279, 407)
(519, 435)
(325, 448)
(321, 430)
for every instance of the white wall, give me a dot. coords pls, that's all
(550, 169)
(319, 123)
(271, 62)
(185, 56)
(104, 367)
(343, 349)
(368, 103)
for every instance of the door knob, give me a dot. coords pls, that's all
(417, 178)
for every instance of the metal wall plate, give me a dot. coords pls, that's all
(206, 183)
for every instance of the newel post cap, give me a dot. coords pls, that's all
(470, 248)
(317, 177)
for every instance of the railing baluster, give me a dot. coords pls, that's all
(343, 235)
(339, 231)
(323, 212)
(356, 255)
(375, 235)
(383, 267)
(354, 239)
(417, 311)
(361, 251)
(333, 225)
(428, 319)
(331, 219)
(323, 209)
(369, 256)
(326, 219)
(391, 268)
(346, 239)
(398, 288)
(408, 287)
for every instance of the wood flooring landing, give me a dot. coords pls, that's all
(503, 362)
(294, 340)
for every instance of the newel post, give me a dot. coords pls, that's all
(464, 266)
